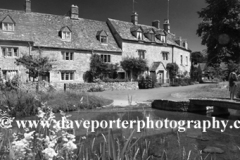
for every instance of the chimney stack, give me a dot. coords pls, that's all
(166, 25)
(28, 5)
(156, 23)
(74, 12)
(134, 18)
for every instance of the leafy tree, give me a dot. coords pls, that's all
(97, 66)
(219, 30)
(197, 57)
(134, 66)
(36, 65)
(173, 70)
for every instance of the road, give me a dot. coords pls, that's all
(146, 94)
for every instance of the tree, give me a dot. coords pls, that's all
(134, 66)
(197, 57)
(173, 71)
(36, 65)
(97, 66)
(219, 30)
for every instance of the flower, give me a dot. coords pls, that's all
(49, 153)
(29, 136)
(70, 146)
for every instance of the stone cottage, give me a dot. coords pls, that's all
(68, 40)
(158, 46)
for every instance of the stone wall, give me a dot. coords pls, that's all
(170, 105)
(84, 87)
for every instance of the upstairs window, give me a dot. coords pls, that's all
(102, 36)
(149, 33)
(10, 52)
(137, 32)
(165, 55)
(66, 34)
(106, 58)
(8, 24)
(67, 55)
(139, 36)
(141, 54)
(187, 60)
(181, 59)
(163, 39)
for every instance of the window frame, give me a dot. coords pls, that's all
(186, 60)
(181, 59)
(6, 28)
(66, 35)
(69, 74)
(141, 54)
(103, 39)
(139, 35)
(106, 58)
(10, 52)
(70, 56)
(165, 55)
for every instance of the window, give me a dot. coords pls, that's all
(67, 55)
(67, 75)
(66, 35)
(10, 52)
(139, 36)
(9, 74)
(152, 37)
(187, 60)
(106, 58)
(181, 59)
(103, 39)
(163, 39)
(8, 27)
(141, 54)
(165, 55)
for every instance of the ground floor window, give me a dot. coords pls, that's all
(9, 74)
(67, 75)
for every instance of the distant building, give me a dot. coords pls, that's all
(70, 41)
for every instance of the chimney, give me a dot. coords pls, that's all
(28, 5)
(179, 41)
(74, 12)
(166, 25)
(156, 23)
(134, 18)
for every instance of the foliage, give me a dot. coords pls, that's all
(197, 57)
(88, 77)
(96, 89)
(109, 80)
(36, 65)
(12, 83)
(145, 82)
(173, 70)
(26, 104)
(134, 66)
(182, 82)
(219, 30)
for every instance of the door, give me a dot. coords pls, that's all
(160, 77)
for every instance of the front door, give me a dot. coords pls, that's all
(160, 77)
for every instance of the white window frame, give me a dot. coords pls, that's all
(186, 60)
(68, 56)
(103, 39)
(165, 55)
(139, 35)
(163, 38)
(10, 52)
(67, 75)
(6, 27)
(106, 58)
(141, 54)
(66, 35)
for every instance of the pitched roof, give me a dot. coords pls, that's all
(124, 29)
(43, 30)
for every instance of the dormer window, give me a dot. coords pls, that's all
(161, 36)
(66, 34)
(8, 24)
(102, 36)
(149, 33)
(137, 32)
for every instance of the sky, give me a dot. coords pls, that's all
(183, 15)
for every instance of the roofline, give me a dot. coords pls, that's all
(78, 49)
(17, 41)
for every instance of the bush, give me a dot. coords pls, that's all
(96, 89)
(182, 82)
(20, 103)
(145, 82)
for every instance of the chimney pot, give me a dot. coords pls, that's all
(166, 25)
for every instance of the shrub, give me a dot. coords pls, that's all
(145, 82)
(182, 82)
(96, 89)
